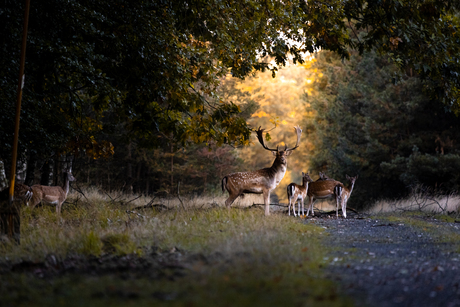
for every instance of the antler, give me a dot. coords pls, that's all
(298, 131)
(260, 137)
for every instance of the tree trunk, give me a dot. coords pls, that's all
(147, 181)
(56, 170)
(172, 168)
(30, 172)
(45, 176)
(129, 173)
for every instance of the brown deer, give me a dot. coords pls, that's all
(261, 181)
(54, 195)
(345, 193)
(22, 193)
(322, 189)
(330, 188)
(298, 193)
(323, 176)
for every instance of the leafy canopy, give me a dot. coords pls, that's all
(155, 66)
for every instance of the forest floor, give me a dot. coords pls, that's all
(240, 258)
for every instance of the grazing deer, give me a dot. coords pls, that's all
(298, 193)
(261, 181)
(345, 193)
(52, 195)
(21, 192)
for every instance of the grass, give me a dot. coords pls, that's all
(421, 200)
(273, 260)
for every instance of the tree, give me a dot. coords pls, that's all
(419, 36)
(154, 67)
(392, 135)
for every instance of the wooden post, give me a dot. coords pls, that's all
(9, 213)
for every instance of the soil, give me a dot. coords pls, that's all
(383, 263)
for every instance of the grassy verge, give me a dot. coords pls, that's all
(262, 261)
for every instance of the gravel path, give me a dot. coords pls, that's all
(383, 263)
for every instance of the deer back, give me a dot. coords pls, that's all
(322, 188)
(22, 192)
(51, 195)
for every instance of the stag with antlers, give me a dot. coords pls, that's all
(262, 181)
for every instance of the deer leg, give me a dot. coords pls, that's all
(311, 202)
(231, 198)
(293, 206)
(294, 202)
(267, 202)
(344, 206)
(337, 208)
(308, 206)
(289, 207)
(303, 206)
(338, 200)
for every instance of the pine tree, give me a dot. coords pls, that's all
(389, 133)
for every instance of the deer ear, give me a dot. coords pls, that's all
(274, 153)
(303, 174)
(288, 153)
(348, 177)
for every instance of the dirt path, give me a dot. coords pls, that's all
(384, 262)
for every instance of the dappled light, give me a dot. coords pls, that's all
(282, 103)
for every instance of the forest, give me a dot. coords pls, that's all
(153, 104)
(141, 96)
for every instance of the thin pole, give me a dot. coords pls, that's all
(18, 103)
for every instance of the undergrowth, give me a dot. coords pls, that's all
(272, 260)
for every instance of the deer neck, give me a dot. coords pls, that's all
(350, 187)
(66, 185)
(278, 169)
(279, 166)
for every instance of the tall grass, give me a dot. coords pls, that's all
(98, 223)
(255, 260)
(421, 199)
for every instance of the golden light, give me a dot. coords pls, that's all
(260, 114)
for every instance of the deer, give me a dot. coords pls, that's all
(323, 176)
(54, 195)
(22, 193)
(298, 193)
(322, 189)
(330, 188)
(345, 193)
(261, 181)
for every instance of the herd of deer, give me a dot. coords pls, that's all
(33, 195)
(262, 181)
(265, 180)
